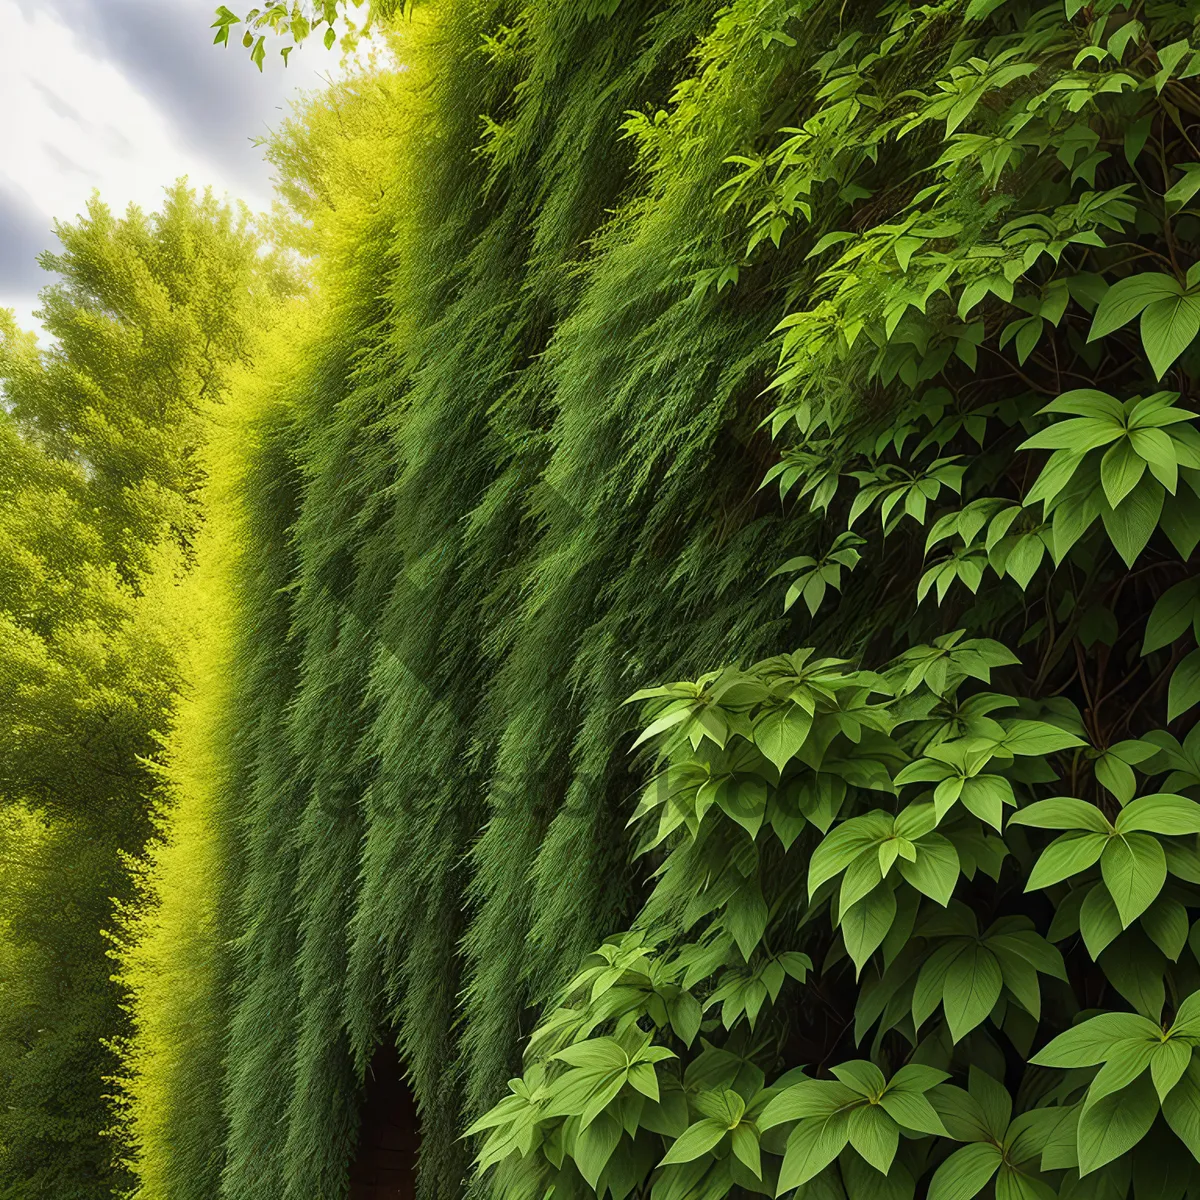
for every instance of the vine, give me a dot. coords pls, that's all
(894, 906)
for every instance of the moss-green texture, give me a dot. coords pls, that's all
(505, 471)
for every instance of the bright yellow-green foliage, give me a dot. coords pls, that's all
(621, 310)
(176, 966)
(99, 472)
(175, 969)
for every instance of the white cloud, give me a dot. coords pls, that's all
(125, 96)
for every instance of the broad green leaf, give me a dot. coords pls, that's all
(1012, 1184)
(1099, 921)
(843, 844)
(1162, 813)
(931, 981)
(965, 1173)
(1181, 1108)
(911, 1110)
(1166, 921)
(1062, 812)
(594, 1146)
(972, 987)
(1129, 297)
(1123, 1064)
(1172, 615)
(602, 1054)
(1169, 326)
(862, 1076)
(867, 923)
(1131, 524)
(916, 1078)
(936, 869)
(745, 1146)
(1134, 868)
(1115, 1125)
(1090, 1043)
(874, 1135)
(1038, 738)
(1121, 470)
(779, 733)
(809, 1098)
(1066, 856)
(698, 1139)
(1170, 1061)
(1183, 693)
(812, 1146)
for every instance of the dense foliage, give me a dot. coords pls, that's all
(98, 476)
(649, 341)
(916, 898)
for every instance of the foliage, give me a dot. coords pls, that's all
(893, 300)
(964, 360)
(298, 22)
(97, 476)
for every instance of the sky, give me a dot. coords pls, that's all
(125, 96)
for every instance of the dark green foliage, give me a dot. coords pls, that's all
(877, 256)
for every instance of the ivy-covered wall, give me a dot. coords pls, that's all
(588, 274)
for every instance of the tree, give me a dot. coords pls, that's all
(98, 481)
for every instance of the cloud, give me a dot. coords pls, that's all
(62, 161)
(212, 95)
(24, 234)
(57, 105)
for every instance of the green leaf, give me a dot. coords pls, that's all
(1099, 922)
(1116, 1124)
(812, 1146)
(809, 1098)
(1134, 868)
(1169, 327)
(912, 1111)
(1131, 524)
(1091, 1042)
(1162, 812)
(1066, 856)
(1038, 738)
(594, 1146)
(779, 733)
(1170, 1061)
(1062, 812)
(1172, 615)
(973, 985)
(936, 870)
(746, 1148)
(1181, 1108)
(862, 1076)
(1184, 690)
(1012, 1184)
(1116, 776)
(874, 1135)
(866, 924)
(746, 916)
(965, 1173)
(1125, 1062)
(1127, 298)
(698, 1139)
(1121, 470)
(843, 844)
(1166, 922)
(602, 1054)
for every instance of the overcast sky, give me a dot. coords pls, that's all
(125, 96)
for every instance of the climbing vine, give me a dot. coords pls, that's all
(922, 912)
